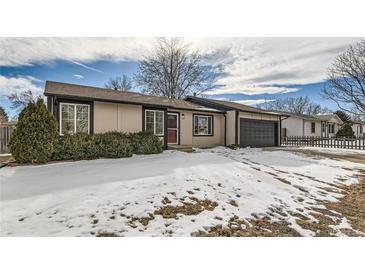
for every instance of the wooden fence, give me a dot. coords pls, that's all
(310, 141)
(5, 133)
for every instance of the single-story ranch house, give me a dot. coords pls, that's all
(197, 122)
(311, 125)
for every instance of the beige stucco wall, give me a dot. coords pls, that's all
(117, 117)
(231, 127)
(186, 130)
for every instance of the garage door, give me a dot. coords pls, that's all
(257, 133)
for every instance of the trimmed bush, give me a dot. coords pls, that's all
(345, 131)
(145, 143)
(82, 146)
(35, 136)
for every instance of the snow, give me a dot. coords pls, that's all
(66, 199)
(339, 151)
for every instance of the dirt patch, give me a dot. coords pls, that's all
(142, 220)
(106, 234)
(170, 212)
(256, 228)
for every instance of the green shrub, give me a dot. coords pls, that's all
(73, 147)
(35, 136)
(82, 146)
(233, 146)
(345, 131)
(145, 143)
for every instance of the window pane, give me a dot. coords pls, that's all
(209, 125)
(67, 118)
(159, 122)
(203, 125)
(150, 117)
(82, 118)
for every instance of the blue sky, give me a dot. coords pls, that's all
(251, 68)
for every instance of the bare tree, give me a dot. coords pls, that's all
(298, 105)
(174, 71)
(22, 99)
(123, 83)
(346, 80)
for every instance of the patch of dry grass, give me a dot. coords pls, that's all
(187, 208)
(257, 228)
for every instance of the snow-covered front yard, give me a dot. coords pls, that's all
(174, 193)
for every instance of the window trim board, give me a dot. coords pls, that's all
(193, 125)
(75, 116)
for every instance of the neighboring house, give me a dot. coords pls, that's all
(311, 125)
(193, 122)
(359, 129)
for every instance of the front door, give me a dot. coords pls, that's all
(172, 128)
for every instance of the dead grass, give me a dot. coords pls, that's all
(106, 234)
(257, 228)
(187, 208)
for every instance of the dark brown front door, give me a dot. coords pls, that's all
(173, 128)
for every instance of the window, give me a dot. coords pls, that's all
(323, 127)
(74, 118)
(154, 122)
(203, 125)
(313, 127)
(331, 128)
(360, 129)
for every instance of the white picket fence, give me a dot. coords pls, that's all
(311, 141)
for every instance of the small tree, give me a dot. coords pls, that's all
(3, 115)
(35, 136)
(343, 116)
(345, 131)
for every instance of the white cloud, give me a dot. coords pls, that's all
(9, 85)
(253, 102)
(28, 51)
(78, 76)
(248, 65)
(251, 90)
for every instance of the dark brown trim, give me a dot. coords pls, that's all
(236, 128)
(56, 109)
(207, 115)
(89, 99)
(223, 108)
(225, 129)
(179, 123)
(279, 143)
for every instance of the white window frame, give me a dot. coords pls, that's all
(75, 115)
(154, 121)
(211, 125)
